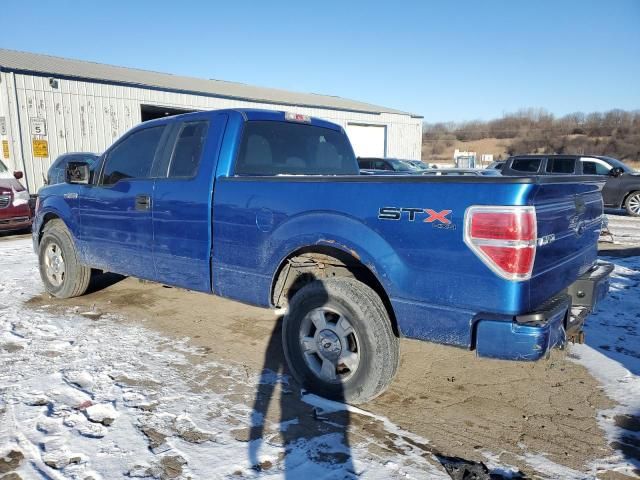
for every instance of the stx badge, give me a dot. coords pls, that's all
(426, 215)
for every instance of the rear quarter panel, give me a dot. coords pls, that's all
(435, 283)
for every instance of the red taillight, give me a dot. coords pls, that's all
(517, 261)
(504, 238)
(501, 226)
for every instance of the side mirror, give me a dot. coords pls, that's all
(77, 172)
(616, 171)
(18, 175)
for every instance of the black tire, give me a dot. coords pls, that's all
(75, 279)
(632, 204)
(378, 347)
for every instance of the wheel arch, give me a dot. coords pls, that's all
(74, 279)
(318, 261)
(634, 189)
(53, 207)
(46, 218)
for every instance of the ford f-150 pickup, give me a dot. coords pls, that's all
(268, 208)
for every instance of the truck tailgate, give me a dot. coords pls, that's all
(569, 219)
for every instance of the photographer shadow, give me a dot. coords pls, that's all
(309, 440)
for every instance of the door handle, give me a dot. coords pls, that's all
(143, 202)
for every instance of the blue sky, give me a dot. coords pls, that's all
(446, 60)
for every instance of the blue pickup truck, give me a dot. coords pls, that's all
(268, 208)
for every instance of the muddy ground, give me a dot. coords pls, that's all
(466, 407)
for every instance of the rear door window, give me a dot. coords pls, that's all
(185, 158)
(529, 165)
(561, 165)
(286, 148)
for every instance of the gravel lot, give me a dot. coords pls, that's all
(139, 380)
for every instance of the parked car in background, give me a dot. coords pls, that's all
(477, 172)
(496, 165)
(15, 212)
(490, 173)
(419, 164)
(56, 170)
(366, 171)
(387, 164)
(622, 187)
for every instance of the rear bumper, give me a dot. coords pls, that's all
(531, 336)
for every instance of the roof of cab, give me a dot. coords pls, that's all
(247, 114)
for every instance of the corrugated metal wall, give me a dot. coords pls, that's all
(89, 116)
(9, 137)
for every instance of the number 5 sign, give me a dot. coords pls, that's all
(38, 126)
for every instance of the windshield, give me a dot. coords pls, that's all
(419, 165)
(400, 166)
(614, 162)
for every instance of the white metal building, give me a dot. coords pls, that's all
(51, 105)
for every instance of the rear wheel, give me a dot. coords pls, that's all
(61, 272)
(338, 340)
(632, 204)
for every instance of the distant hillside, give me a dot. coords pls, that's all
(615, 133)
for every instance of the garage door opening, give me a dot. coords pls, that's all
(368, 140)
(151, 112)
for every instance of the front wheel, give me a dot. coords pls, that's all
(338, 340)
(632, 204)
(61, 272)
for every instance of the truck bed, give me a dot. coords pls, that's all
(437, 285)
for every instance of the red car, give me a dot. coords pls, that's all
(15, 212)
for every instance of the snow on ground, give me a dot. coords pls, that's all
(624, 229)
(612, 355)
(87, 398)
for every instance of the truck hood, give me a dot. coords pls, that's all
(10, 183)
